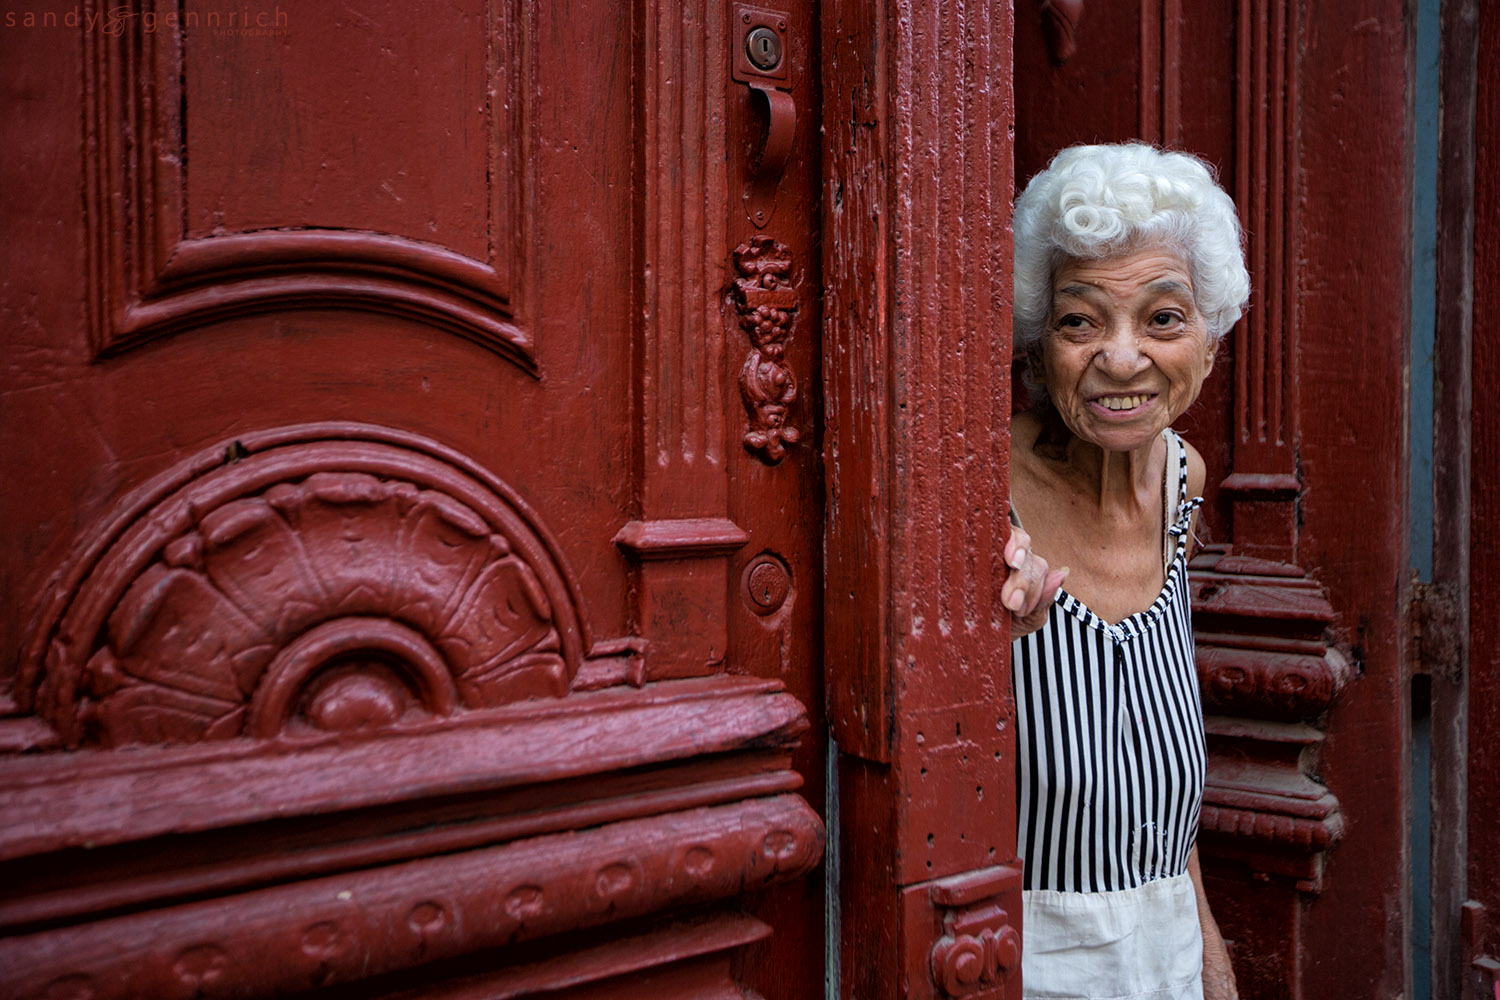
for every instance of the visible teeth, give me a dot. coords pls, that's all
(1123, 402)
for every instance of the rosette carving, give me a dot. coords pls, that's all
(967, 962)
(300, 584)
(766, 301)
(980, 948)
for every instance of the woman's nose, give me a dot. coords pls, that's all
(1120, 356)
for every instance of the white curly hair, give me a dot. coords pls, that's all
(1097, 201)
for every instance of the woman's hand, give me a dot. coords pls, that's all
(1029, 589)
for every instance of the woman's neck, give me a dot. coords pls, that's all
(1113, 478)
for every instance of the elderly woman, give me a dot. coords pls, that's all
(1128, 272)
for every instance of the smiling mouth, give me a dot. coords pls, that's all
(1123, 402)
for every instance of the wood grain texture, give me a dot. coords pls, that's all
(1454, 531)
(917, 154)
(1484, 567)
(1352, 192)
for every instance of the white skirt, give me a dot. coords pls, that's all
(1135, 944)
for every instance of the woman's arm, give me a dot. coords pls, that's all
(1218, 975)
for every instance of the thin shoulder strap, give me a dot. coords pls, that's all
(1181, 467)
(1171, 495)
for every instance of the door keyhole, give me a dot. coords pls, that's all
(764, 48)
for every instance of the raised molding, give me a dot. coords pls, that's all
(701, 941)
(409, 786)
(1266, 154)
(980, 947)
(1160, 84)
(149, 276)
(1060, 20)
(1268, 674)
(686, 180)
(367, 922)
(682, 538)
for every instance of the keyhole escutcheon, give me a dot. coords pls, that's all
(764, 48)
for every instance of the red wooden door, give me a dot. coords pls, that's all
(413, 507)
(1298, 592)
(1477, 953)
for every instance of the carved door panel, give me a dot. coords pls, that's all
(1300, 646)
(412, 548)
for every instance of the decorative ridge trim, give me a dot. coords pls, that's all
(1261, 600)
(1270, 684)
(375, 921)
(1262, 486)
(1278, 830)
(684, 538)
(274, 269)
(980, 946)
(154, 791)
(680, 941)
(1265, 664)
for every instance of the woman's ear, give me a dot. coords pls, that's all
(1212, 348)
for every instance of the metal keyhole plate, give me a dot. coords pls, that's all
(767, 584)
(764, 48)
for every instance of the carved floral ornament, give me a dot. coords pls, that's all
(313, 579)
(766, 301)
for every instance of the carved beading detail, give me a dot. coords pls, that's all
(1269, 684)
(320, 586)
(374, 921)
(766, 301)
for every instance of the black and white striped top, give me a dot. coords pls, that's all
(1110, 731)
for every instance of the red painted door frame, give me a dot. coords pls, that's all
(917, 163)
(1478, 956)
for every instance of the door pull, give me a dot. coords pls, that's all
(762, 63)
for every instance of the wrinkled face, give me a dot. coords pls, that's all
(1126, 349)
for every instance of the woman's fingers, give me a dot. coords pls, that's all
(1023, 571)
(1029, 582)
(1043, 591)
(1017, 547)
(1052, 585)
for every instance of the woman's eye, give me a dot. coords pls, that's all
(1072, 322)
(1164, 318)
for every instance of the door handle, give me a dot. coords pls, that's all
(762, 62)
(781, 125)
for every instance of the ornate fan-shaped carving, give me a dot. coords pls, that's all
(307, 583)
